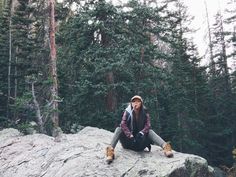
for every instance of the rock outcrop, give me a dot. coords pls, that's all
(83, 154)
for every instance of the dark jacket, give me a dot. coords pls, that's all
(130, 125)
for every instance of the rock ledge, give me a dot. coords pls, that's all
(83, 154)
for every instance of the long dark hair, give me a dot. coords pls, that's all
(143, 110)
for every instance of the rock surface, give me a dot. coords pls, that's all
(83, 154)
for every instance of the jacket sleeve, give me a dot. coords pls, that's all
(124, 125)
(147, 125)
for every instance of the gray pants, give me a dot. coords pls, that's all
(156, 139)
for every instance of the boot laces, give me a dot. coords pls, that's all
(167, 147)
(110, 151)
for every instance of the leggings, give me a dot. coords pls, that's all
(156, 139)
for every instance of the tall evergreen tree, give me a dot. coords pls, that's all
(31, 63)
(220, 109)
(4, 57)
(230, 21)
(184, 96)
(21, 59)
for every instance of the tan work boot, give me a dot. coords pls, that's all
(110, 154)
(168, 150)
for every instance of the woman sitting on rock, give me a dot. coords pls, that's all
(134, 131)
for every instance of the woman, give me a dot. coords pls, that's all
(134, 131)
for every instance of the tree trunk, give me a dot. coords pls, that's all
(9, 64)
(212, 65)
(225, 62)
(111, 100)
(111, 96)
(38, 111)
(15, 116)
(54, 89)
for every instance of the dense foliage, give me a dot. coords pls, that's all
(106, 54)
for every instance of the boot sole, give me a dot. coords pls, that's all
(109, 161)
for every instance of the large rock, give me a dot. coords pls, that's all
(83, 154)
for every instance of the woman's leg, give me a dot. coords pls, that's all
(110, 149)
(116, 137)
(156, 139)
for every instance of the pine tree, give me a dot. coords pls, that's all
(31, 65)
(103, 38)
(231, 33)
(186, 87)
(231, 38)
(4, 56)
(21, 58)
(220, 109)
(88, 56)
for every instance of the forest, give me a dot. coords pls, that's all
(77, 63)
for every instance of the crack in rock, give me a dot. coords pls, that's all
(126, 172)
(71, 157)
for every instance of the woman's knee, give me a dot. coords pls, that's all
(118, 130)
(151, 132)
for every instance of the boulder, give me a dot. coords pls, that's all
(83, 154)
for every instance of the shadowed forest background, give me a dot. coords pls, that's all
(106, 54)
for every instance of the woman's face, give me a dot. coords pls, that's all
(136, 104)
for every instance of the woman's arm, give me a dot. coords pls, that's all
(124, 126)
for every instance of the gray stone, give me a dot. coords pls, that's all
(7, 133)
(83, 154)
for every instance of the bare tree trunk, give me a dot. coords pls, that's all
(225, 60)
(15, 115)
(16, 73)
(210, 42)
(54, 90)
(38, 112)
(9, 65)
(225, 64)
(9, 76)
(234, 47)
